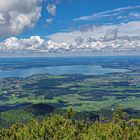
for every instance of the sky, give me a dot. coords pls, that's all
(27, 26)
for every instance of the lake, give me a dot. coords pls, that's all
(59, 70)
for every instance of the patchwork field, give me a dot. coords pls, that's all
(41, 94)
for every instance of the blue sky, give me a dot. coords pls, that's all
(28, 25)
(67, 10)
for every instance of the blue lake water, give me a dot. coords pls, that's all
(59, 70)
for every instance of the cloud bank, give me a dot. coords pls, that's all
(110, 43)
(98, 32)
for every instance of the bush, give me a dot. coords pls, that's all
(58, 127)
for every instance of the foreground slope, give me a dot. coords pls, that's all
(58, 127)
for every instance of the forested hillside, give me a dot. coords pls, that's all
(66, 127)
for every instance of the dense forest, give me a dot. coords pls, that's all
(66, 127)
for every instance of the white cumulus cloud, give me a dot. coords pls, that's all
(51, 8)
(49, 20)
(109, 43)
(17, 15)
